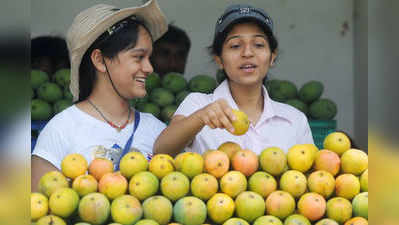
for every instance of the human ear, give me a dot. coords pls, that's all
(98, 60)
(218, 61)
(273, 58)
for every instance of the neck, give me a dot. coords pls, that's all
(111, 105)
(247, 98)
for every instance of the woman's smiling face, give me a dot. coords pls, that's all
(132, 66)
(246, 55)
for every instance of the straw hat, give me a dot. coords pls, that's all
(89, 24)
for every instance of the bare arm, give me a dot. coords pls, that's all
(39, 167)
(182, 130)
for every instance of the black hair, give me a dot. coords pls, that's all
(52, 47)
(175, 35)
(109, 45)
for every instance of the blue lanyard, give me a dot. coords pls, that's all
(129, 142)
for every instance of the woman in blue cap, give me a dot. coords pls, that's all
(244, 47)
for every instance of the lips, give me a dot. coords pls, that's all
(140, 79)
(248, 67)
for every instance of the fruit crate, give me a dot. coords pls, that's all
(36, 125)
(320, 129)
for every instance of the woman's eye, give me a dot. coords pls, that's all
(259, 45)
(234, 46)
(139, 57)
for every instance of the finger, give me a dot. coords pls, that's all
(227, 110)
(213, 118)
(222, 117)
(207, 122)
(227, 124)
(230, 115)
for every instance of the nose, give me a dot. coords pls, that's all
(173, 62)
(147, 67)
(247, 51)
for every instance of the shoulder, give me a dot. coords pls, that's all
(198, 97)
(63, 119)
(289, 112)
(197, 100)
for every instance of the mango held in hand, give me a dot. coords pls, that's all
(241, 124)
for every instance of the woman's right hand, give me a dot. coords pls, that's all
(218, 114)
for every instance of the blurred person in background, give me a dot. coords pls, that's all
(171, 51)
(49, 54)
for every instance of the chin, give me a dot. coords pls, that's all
(250, 82)
(140, 94)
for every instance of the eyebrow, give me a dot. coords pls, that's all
(138, 50)
(238, 36)
(142, 50)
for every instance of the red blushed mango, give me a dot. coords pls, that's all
(100, 166)
(327, 160)
(217, 163)
(113, 185)
(245, 161)
(312, 206)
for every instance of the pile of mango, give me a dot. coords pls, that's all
(228, 185)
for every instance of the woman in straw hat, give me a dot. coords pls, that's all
(109, 50)
(245, 48)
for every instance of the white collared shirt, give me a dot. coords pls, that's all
(280, 125)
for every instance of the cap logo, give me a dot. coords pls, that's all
(244, 10)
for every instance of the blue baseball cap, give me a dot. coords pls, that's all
(240, 11)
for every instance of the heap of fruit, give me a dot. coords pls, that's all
(228, 186)
(307, 99)
(165, 94)
(49, 97)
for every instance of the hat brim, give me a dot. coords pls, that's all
(149, 13)
(235, 19)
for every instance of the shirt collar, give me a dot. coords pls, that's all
(270, 108)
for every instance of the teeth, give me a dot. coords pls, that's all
(248, 66)
(140, 79)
